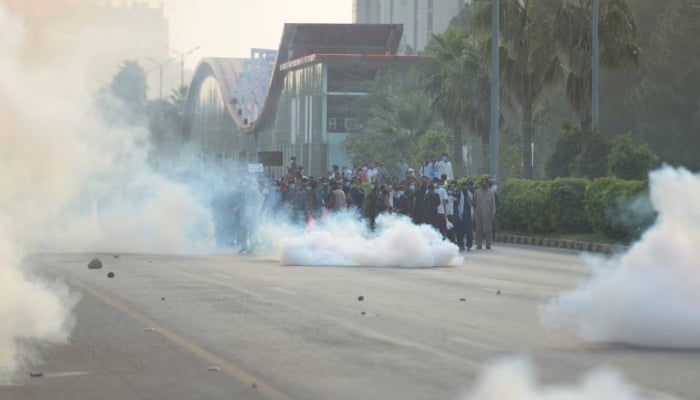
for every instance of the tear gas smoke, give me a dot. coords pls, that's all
(515, 379)
(29, 309)
(344, 240)
(649, 296)
(69, 182)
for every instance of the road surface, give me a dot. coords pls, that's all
(236, 327)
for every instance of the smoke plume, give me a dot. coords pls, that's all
(70, 182)
(344, 240)
(515, 379)
(649, 296)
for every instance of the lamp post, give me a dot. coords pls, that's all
(182, 56)
(160, 66)
(495, 75)
(596, 65)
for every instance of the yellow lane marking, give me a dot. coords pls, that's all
(236, 372)
(351, 326)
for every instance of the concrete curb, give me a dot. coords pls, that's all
(562, 244)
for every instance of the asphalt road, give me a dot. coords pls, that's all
(233, 327)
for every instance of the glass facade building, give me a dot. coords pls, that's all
(301, 105)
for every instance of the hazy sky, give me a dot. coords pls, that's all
(230, 28)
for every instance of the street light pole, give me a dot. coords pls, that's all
(160, 66)
(596, 66)
(495, 75)
(182, 57)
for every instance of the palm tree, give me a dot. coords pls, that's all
(528, 57)
(617, 35)
(395, 115)
(457, 85)
(178, 97)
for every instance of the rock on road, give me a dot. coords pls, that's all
(230, 327)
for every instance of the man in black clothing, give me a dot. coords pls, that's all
(357, 194)
(418, 197)
(465, 224)
(431, 201)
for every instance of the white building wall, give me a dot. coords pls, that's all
(413, 14)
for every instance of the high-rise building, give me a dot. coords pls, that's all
(142, 36)
(99, 36)
(420, 18)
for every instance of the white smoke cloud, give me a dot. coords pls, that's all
(515, 379)
(29, 309)
(649, 296)
(344, 240)
(68, 182)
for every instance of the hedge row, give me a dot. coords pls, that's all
(619, 209)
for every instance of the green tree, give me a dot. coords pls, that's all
(529, 58)
(431, 143)
(178, 97)
(628, 162)
(571, 159)
(665, 101)
(130, 87)
(560, 163)
(397, 114)
(454, 81)
(124, 100)
(592, 161)
(617, 41)
(165, 127)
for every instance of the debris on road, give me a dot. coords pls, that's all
(36, 374)
(95, 263)
(361, 298)
(462, 299)
(254, 385)
(110, 274)
(214, 368)
(498, 292)
(116, 256)
(363, 313)
(149, 329)
(162, 298)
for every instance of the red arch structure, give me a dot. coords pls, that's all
(252, 89)
(242, 82)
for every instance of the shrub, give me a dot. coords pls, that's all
(542, 207)
(627, 162)
(592, 161)
(523, 206)
(618, 208)
(565, 205)
(567, 147)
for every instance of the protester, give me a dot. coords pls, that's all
(465, 213)
(459, 213)
(444, 167)
(484, 214)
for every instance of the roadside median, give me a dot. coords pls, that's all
(562, 244)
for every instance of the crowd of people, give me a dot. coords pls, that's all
(463, 214)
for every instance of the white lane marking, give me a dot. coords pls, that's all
(653, 394)
(408, 275)
(473, 343)
(66, 374)
(352, 326)
(280, 290)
